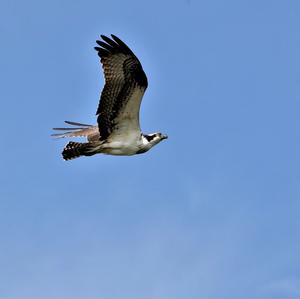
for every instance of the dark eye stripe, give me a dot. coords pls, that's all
(149, 137)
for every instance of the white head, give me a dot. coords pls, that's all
(150, 140)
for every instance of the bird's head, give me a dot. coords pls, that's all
(154, 138)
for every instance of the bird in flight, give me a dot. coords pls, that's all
(118, 129)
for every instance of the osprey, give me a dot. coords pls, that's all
(118, 130)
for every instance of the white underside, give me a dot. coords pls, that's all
(126, 139)
(123, 146)
(119, 148)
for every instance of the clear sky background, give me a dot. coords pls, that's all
(210, 213)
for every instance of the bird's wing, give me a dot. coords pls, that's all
(125, 84)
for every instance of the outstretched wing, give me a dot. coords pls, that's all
(125, 84)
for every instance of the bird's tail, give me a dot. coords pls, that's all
(76, 149)
(80, 130)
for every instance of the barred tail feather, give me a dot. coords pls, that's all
(76, 149)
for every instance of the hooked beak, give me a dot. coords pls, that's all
(164, 137)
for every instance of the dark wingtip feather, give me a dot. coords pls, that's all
(124, 47)
(103, 36)
(115, 37)
(118, 40)
(110, 42)
(111, 45)
(105, 46)
(101, 52)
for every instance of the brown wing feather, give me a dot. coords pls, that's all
(123, 75)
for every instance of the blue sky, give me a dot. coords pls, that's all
(211, 213)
